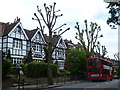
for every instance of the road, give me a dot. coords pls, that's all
(106, 85)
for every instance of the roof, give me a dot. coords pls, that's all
(55, 39)
(7, 27)
(30, 33)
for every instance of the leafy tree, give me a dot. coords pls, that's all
(114, 11)
(76, 62)
(92, 36)
(50, 21)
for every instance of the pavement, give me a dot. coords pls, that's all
(45, 86)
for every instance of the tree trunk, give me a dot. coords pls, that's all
(50, 76)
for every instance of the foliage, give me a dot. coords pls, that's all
(63, 73)
(24, 66)
(13, 71)
(29, 57)
(54, 69)
(114, 8)
(8, 54)
(76, 62)
(6, 67)
(38, 69)
(118, 71)
(91, 36)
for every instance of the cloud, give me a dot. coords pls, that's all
(73, 11)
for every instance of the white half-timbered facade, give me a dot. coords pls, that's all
(36, 43)
(14, 39)
(20, 41)
(59, 53)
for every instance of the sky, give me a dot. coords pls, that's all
(73, 11)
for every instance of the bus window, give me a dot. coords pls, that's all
(94, 69)
(106, 71)
(106, 63)
(93, 62)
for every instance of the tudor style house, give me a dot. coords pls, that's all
(59, 52)
(14, 39)
(36, 43)
(20, 41)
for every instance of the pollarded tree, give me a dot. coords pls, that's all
(101, 50)
(92, 35)
(49, 20)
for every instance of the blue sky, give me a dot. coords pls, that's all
(73, 11)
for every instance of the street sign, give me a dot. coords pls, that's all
(107, 1)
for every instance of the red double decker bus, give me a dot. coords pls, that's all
(99, 69)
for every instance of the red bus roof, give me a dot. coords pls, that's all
(99, 58)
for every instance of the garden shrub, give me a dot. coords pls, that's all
(6, 67)
(38, 69)
(63, 73)
(54, 68)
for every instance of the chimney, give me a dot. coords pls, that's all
(17, 19)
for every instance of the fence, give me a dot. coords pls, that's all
(29, 83)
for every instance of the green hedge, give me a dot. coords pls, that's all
(6, 67)
(38, 69)
(63, 73)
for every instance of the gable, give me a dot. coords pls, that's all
(18, 30)
(61, 43)
(38, 37)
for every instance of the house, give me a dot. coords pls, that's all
(70, 45)
(13, 38)
(19, 41)
(36, 43)
(59, 52)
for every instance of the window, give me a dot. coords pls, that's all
(94, 69)
(106, 71)
(18, 29)
(61, 65)
(106, 63)
(61, 53)
(93, 62)
(17, 44)
(17, 60)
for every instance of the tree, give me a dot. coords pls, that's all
(76, 62)
(101, 51)
(8, 54)
(50, 21)
(92, 36)
(29, 57)
(114, 11)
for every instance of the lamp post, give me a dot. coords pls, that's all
(18, 68)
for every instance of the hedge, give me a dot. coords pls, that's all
(38, 69)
